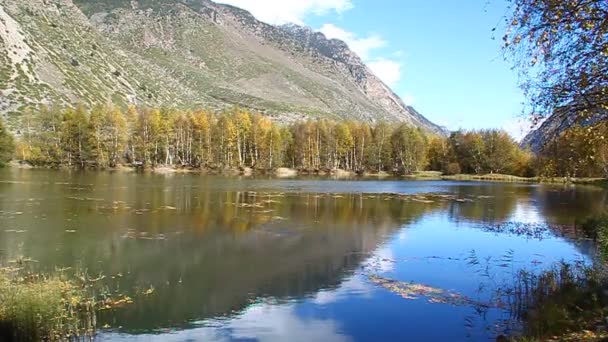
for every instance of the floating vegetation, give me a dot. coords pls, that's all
(250, 205)
(530, 230)
(413, 291)
(85, 199)
(133, 234)
(148, 291)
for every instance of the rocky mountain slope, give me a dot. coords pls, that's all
(553, 126)
(187, 53)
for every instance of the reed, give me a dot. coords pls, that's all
(60, 306)
(563, 303)
(36, 307)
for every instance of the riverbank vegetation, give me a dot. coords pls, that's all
(7, 145)
(565, 303)
(105, 137)
(37, 307)
(56, 306)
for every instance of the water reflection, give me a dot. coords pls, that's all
(278, 260)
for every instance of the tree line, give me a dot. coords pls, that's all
(106, 136)
(580, 151)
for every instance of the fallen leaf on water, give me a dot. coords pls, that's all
(412, 291)
(149, 291)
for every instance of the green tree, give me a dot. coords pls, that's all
(108, 129)
(499, 151)
(439, 154)
(74, 135)
(7, 145)
(380, 147)
(409, 148)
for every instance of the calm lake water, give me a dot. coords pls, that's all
(293, 260)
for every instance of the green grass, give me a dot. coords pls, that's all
(35, 307)
(565, 303)
(60, 306)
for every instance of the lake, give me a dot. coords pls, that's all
(217, 258)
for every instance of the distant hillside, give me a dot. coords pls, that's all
(553, 126)
(183, 53)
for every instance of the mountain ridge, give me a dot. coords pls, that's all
(187, 53)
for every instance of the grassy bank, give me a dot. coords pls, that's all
(570, 301)
(566, 303)
(36, 307)
(496, 177)
(50, 307)
(283, 172)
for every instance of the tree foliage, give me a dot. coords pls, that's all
(7, 145)
(479, 152)
(106, 136)
(561, 46)
(574, 154)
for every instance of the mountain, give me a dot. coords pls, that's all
(187, 53)
(562, 119)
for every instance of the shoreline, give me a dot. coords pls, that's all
(283, 172)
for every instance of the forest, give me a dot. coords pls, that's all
(106, 137)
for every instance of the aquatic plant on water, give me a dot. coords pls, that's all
(565, 303)
(596, 228)
(56, 307)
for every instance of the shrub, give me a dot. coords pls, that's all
(453, 169)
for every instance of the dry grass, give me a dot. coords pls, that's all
(35, 307)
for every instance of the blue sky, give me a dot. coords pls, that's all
(438, 55)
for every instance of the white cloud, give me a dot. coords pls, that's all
(287, 11)
(262, 322)
(398, 53)
(517, 128)
(279, 12)
(387, 70)
(381, 261)
(361, 46)
(409, 99)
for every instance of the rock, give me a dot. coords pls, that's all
(339, 173)
(246, 171)
(284, 172)
(163, 170)
(20, 164)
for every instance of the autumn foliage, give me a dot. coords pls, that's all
(106, 136)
